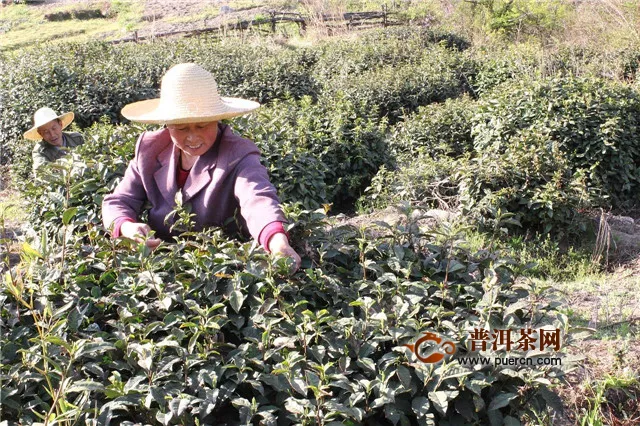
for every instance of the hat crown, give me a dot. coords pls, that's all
(188, 94)
(189, 90)
(43, 116)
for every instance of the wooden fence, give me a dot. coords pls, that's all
(349, 20)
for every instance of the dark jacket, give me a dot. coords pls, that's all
(43, 152)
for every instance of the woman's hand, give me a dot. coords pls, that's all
(138, 232)
(279, 246)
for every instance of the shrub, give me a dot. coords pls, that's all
(527, 188)
(591, 123)
(521, 19)
(380, 48)
(259, 70)
(618, 64)
(437, 130)
(207, 329)
(421, 180)
(529, 183)
(396, 90)
(318, 153)
(497, 65)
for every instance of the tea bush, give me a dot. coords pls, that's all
(319, 153)
(540, 190)
(393, 46)
(96, 80)
(437, 74)
(496, 65)
(444, 160)
(420, 180)
(590, 124)
(208, 330)
(437, 130)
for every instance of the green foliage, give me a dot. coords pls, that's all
(545, 256)
(619, 64)
(129, 13)
(379, 48)
(436, 75)
(567, 130)
(516, 19)
(436, 130)
(421, 180)
(319, 153)
(495, 65)
(208, 328)
(539, 188)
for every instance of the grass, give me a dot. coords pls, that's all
(599, 395)
(19, 21)
(12, 210)
(129, 13)
(607, 302)
(69, 31)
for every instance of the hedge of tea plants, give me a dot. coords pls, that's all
(211, 330)
(323, 152)
(541, 149)
(98, 79)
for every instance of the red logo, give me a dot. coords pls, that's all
(441, 348)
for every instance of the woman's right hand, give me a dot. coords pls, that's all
(138, 232)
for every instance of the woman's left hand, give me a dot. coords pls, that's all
(279, 246)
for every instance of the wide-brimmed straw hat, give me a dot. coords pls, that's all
(188, 94)
(44, 116)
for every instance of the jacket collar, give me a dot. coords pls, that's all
(199, 176)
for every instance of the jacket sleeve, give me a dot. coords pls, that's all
(256, 195)
(129, 196)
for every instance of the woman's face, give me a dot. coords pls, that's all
(52, 132)
(194, 139)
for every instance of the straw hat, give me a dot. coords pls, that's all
(188, 94)
(44, 116)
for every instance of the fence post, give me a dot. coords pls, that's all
(273, 21)
(384, 15)
(303, 25)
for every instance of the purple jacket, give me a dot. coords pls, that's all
(227, 178)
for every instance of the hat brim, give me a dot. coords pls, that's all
(151, 111)
(33, 135)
